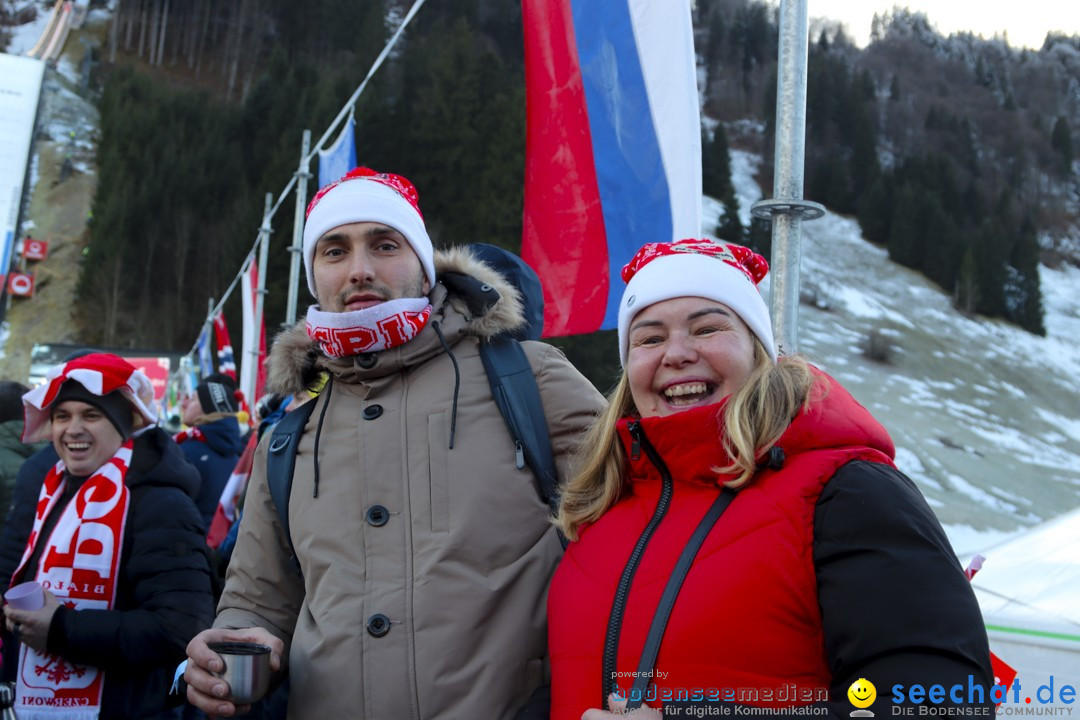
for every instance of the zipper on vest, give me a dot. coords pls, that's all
(622, 592)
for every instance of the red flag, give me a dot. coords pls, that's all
(225, 515)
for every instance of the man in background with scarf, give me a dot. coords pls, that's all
(116, 544)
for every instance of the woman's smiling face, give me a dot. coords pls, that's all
(686, 352)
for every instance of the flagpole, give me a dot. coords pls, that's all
(303, 174)
(788, 208)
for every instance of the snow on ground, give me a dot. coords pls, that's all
(23, 37)
(984, 414)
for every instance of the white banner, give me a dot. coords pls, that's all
(20, 89)
(253, 345)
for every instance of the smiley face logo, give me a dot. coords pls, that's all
(862, 693)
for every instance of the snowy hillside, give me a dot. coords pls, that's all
(985, 417)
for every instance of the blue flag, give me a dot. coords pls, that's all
(340, 157)
(206, 363)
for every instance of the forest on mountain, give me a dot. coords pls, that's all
(956, 154)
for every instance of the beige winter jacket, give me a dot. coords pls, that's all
(451, 545)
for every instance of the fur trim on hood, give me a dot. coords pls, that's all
(291, 364)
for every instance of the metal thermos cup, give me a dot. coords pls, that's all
(247, 670)
(7, 701)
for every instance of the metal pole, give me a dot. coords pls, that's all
(303, 174)
(788, 208)
(260, 293)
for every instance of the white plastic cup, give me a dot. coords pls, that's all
(26, 596)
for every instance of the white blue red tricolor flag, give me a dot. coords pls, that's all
(613, 156)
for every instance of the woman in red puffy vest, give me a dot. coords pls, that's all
(741, 535)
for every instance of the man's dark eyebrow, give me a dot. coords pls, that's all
(332, 237)
(380, 230)
(371, 232)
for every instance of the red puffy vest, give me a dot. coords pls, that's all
(746, 626)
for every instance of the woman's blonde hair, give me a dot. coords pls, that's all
(755, 417)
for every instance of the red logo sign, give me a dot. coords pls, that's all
(35, 249)
(155, 368)
(21, 285)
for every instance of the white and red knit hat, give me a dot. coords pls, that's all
(719, 271)
(100, 374)
(364, 195)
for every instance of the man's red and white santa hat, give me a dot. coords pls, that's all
(100, 374)
(364, 195)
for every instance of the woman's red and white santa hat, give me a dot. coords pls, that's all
(715, 270)
(100, 374)
(364, 195)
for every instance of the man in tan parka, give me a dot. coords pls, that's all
(425, 551)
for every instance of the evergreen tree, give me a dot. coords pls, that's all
(730, 226)
(759, 237)
(876, 210)
(905, 231)
(1061, 142)
(716, 183)
(966, 294)
(716, 163)
(1023, 291)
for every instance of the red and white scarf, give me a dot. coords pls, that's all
(79, 565)
(379, 327)
(192, 433)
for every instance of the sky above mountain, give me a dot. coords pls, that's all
(1026, 23)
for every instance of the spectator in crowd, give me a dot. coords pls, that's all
(13, 451)
(741, 532)
(117, 545)
(424, 548)
(212, 442)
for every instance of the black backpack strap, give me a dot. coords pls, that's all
(281, 461)
(518, 398)
(671, 592)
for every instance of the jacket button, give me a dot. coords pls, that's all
(372, 411)
(368, 360)
(377, 515)
(378, 625)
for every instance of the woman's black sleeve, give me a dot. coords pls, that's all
(896, 606)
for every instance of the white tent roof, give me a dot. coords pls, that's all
(1029, 592)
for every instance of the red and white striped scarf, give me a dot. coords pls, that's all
(192, 433)
(379, 327)
(79, 565)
